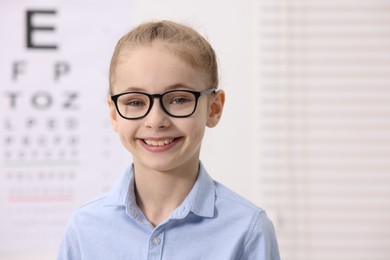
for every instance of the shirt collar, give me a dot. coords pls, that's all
(199, 201)
(203, 192)
(117, 196)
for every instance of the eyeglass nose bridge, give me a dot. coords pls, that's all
(152, 97)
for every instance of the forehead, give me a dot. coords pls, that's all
(154, 68)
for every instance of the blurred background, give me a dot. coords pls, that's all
(305, 133)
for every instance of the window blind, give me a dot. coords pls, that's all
(324, 126)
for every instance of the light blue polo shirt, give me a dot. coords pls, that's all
(212, 223)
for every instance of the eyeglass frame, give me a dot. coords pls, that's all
(197, 95)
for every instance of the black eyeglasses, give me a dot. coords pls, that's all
(176, 103)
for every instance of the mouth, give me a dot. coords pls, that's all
(158, 143)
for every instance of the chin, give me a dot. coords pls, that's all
(164, 164)
(156, 165)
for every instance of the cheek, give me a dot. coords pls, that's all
(199, 132)
(126, 130)
(200, 120)
(196, 128)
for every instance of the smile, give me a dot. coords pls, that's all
(158, 143)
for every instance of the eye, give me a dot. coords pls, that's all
(133, 100)
(180, 100)
(135, 103)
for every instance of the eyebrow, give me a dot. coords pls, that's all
(168, 88)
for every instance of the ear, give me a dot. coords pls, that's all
(113, 114)
(215, 108)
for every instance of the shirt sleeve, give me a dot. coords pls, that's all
(261, 243)
(69, 247)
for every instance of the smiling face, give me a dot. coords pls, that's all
(159, 142)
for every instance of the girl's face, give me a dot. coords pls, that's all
(159, 142)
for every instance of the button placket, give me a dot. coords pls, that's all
(157, 237)
(155, 246)
(156, 241)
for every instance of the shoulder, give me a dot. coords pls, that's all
(88, 211)
(106, 204)
(227, 196)
(259, 240)
(97, 202)
(233, 205)
(255, 217)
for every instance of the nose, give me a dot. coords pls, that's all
(157, 118)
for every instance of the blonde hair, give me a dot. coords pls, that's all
(184, 41)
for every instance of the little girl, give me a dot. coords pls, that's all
(163, 94)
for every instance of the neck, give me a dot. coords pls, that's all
(160, 193)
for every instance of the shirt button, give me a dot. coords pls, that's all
(156, 241)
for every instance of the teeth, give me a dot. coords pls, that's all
(158, 143)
